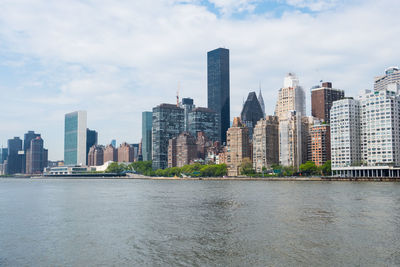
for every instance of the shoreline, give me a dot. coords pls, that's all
(305, 179)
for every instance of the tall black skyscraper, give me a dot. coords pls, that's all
(251, 112)
(91, 140)
(218, 87)
(14, 160)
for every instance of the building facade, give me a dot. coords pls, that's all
(266, 143)
(14, 162)
(392, 76)
(238, 146)
(345, 133)
(251, 112)
(293, 139)
(218, 92)
(110, 153)
(320, 147)
(380, 127)
(91, 140)
(36, 156)
(75, 133)
(290, 97)
(204, 120)
(261, 101)
(125, 153)
(147, 122)
(182, 150)
(168, 122)
(321, 100)
(96, 156)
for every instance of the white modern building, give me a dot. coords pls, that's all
(345, 133)
(75, 138)
(366, 143)
(380, 124)
(392, 75)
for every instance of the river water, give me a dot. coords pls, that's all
(198, 223)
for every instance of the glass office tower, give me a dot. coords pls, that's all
(147, 122)
(218, 87)
(75, 138)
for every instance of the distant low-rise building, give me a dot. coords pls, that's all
(125, 153)
(110, 153)
(96, 155)
(182, 150)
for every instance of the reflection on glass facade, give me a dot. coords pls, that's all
(168, 122)
(147, 121)
(75, 138)
(218, 87)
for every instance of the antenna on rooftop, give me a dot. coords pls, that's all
(177, 95)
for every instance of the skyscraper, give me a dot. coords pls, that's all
(15, 158)
(36, 156)
(322, 98)
(238, 146)
(291, 97)
(91, 140)
(28, 137)
(266, 143)
(187, 105)
(168, 122)
(147, 122)
(392, 75)
(251, 112)
(218, 87)
(204, 120)
(261, 101)
(320, 139)
(345, 133)
(3, 155)
(75, 138)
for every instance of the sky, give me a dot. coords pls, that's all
(116, 59)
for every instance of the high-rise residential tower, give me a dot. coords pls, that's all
(238, 146)
(291, 97)
(168, 122)
(322, 98)
(320, 143)
(345, 133)
(75, 138)
(147, 122)
(266, 143)
(392, 75)
(218, 87)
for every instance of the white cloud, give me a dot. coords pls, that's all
(315, 5)
(117, 59)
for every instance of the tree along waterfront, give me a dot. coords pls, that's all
(218, 170)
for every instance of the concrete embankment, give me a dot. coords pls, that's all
(344, 179)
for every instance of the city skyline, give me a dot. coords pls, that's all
(115, 88)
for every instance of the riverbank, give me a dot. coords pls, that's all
(344, 179)
(242, 178)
